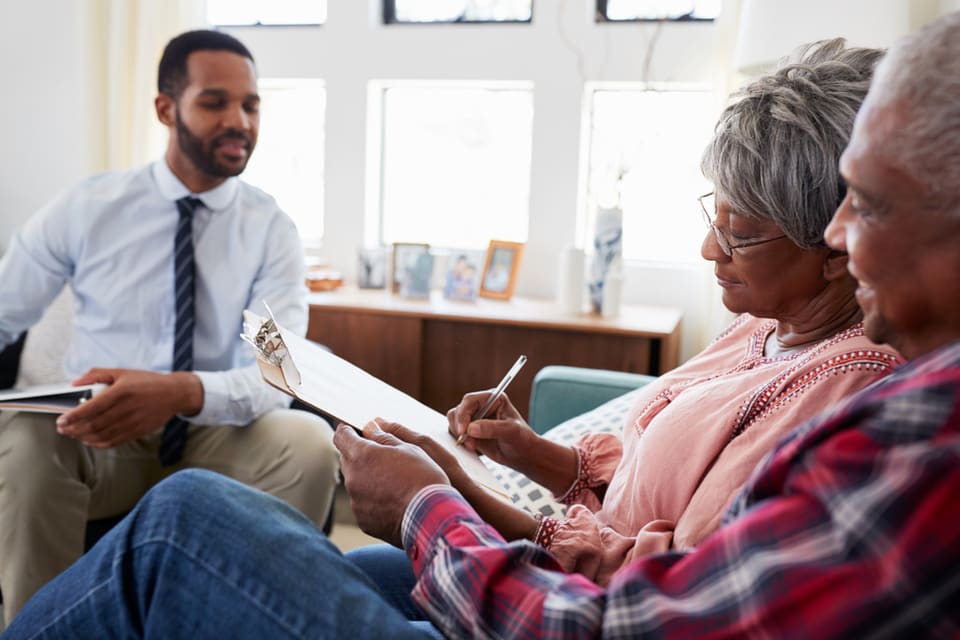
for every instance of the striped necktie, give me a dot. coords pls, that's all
(175, 432)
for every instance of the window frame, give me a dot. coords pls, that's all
(265, 85)
(390, 18)
(376, 153)
(586, 214)
(602, 18)
(258, 24)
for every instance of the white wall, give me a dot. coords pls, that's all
(50, 137)
(52, 91)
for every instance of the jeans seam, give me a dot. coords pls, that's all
(187, 554)
(40, 632)
(214, 572)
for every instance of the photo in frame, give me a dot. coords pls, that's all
(410, 262)
(500, 269)
(372, 267)
(463, 275)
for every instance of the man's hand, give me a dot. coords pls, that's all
(382, 475)
(134, 404)
(511, 522)
(451, 468)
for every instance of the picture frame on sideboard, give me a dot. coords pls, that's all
(500, 269)
(405, 257)
(463, 275)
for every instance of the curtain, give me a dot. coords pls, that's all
(128, 38)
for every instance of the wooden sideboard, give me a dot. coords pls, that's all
(436, 350)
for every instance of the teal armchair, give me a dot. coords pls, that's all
(560, 393)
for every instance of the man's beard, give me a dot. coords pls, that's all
(204, 156)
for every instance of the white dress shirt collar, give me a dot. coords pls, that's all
(216, 199)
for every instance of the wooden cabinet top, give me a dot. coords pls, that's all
(635, 320)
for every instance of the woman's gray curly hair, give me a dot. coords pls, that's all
(776, 149)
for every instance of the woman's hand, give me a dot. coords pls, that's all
(506, 438)
(503, 437)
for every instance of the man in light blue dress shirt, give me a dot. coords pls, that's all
(111, 238)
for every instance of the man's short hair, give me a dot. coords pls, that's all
(172, 73)
(922, 77)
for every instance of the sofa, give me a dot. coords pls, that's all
(561, 393)
(37, 358)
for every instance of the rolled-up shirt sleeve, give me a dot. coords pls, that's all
(236, 397)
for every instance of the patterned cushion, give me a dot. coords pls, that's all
(607, 418)
(47, 340)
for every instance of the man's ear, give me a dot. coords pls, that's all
(166, 108)
(835, 265)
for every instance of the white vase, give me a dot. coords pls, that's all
(607, 248)
(612, 291)
(570, 280)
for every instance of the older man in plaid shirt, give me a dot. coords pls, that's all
(849, 529)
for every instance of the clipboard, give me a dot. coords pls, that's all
(310, 373)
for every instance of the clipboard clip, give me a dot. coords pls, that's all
(263, 334)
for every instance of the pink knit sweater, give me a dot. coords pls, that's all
(693, 438)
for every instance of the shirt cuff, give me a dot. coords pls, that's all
(216, 397)
(432, 511)
(581, 483)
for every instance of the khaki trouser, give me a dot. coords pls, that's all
(50, 485)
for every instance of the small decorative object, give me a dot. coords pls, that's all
(500, 269)
(570, 280)
(463, 276)
(372, 267)
(405, 255)
(607, 247)
(612, 290)
(415, 281)
(323, 278)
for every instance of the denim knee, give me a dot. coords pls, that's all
(189, 492)
(196, 483)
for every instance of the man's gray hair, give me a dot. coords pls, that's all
(922, 79)
(776, 149)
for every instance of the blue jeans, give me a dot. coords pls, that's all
(203, 556)
(390, 569)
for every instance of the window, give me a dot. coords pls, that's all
(645, 149)
(418, 11)
(455, 163)
(259, 12)
(679, 10)
(288, 160)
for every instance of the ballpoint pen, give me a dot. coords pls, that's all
(496, 394)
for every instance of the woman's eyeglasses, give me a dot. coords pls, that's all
(708, 204)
